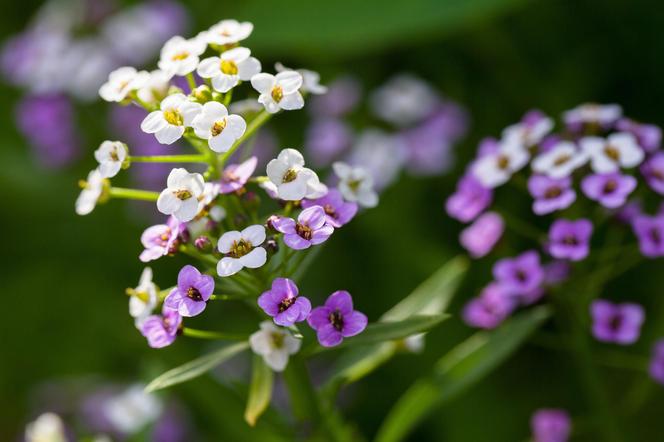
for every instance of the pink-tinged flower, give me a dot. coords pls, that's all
(469, 200)
(161, 239)
(592, 114)
(480, 237)
(551, 425)
(336, 320)
(609, 189)
(311, 228)
(550, 194)
(648, 136)
(656, 367)
(235, 176)
(490, 308)
(521, 275)
(649, 230)
(653, 172)
(617, 323)
(161, 330)
(284, 304)
(570, 239)
(193, 291)
(337, 211)
(532, 128)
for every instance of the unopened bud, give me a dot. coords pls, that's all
(203, 243)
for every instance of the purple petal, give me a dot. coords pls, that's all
(205, 286)
(173, 300)
(314, 217)
(268, 304)
(328, 336)
(187, 277)
(284, 287)
(189, 307)
(304, 306)
(340, 301)
(319, 317)
(295, 241)
(284, 225)
(322, 234)
(354, 323)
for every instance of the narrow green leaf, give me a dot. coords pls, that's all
(463, 366)
(391, 331)
(196, 367)
(260, 391)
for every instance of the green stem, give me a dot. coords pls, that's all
(252, 127)
(206, 334)
(169, 159)
(191, 81)
(191, 251)
(133, 194)
(225, 297)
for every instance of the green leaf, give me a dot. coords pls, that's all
(463, 366)
(196, 367)
(391, 331)
(260, 391)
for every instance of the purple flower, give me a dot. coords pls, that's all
(521, 275)
(653, 171)
(469, 200)
(337, 211)
(490, 308)
(336, 320)
(609, 189)
(550, 425)
(649, 230)
(161, 330)
(656, 368)
(235, 176)
(310, 229)
(550, 194)
(284, 304)
(648, 136)
(161, 239)
(193, 291)
(570, 239)
(617, 323)
(326, 140)
(480, 237)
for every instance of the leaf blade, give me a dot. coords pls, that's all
(260, 391)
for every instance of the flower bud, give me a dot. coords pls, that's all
(203, 243)
(271, 245)
(202, 94)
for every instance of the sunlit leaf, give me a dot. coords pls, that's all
(260, 391)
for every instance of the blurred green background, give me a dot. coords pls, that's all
(63, 276)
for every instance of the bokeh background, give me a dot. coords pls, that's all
(64, 312)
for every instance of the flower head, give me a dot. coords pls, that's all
(179, 56)
(235, 176)
(228, 32)
(480, 237)
(490, 308)
(337, 211)
(617, 323)
(280, 91)
(550, 425)
(592, 115)
(310, 80)
(284, 304)
(311, 228)
(653, 172)
(469, 200)
(180, 198)
(336, 320)
(215, 125)
(531, 130)
(649, 230)
(356, 185)
(161, 239)
(227, 70)
(168, 123)
(93, 188)
(161, 330)
(520, 275)
(155, 87)
(111, 156)
(619, 150)
(560, 160)
(190, 296)
(121, 82)
(570, 239)
(143, 298)
(550, 194)
(495, 169)
(609, 189)
(275, 344)
(293, 181)
(241, 250)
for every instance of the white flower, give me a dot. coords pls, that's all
(220, 129)
(180, 198)
(559, 162)
(179, 56)
(403, 100)
(280, 91)
(355, 184)
(609, 155)
(133, 409)
(293, 181)
(121, 82)
(310, 80)
(111, 155)
(92, 190)
(496, 168)
(275, 344)
(226, 71)
(242, 250)
(143, 298)
(168, 123)
(48, 427)
(155, 87)
(228, 32)
(529, 133)
(592, 113)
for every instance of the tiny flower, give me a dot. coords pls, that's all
(155, 87)
(648, 136)
(161, 330)
(495, 169)
(610, 189)
(227, 70)
(653, 172)
(355, 184)
(570, 239)
(121, 82)
(337, 211)
(180, 198)
(280, 91)
(649, 230)
(235, 176)
(490, 308)
(550, 194)
(174, 114)
(609, 155)
(293, 181)
(469, 200)
(336, 320)
(480, 237)
(215, 125)
(617, 323)
(310, 80)
(111, 156)
(274, 344)
(179, 56)
(228, 32)
(520, 275)
(531, 130)
(560, 161)
(310, 229)
(284, 304)
(193, 291)
(92, 191)
(143, 298)
(48, 427)
(656, 367)
(241, 250)
(591, 114)
(551, 425)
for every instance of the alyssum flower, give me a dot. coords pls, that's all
(279, 91)
(293, 181)
(93, 189)
(241, 249)
(228, 32)
(215, 125)
(274, 344)
(311, 228)
(168, 123)
(179, 56)
(235, 176)
(121, 82)
(161, 239)
(337, 211)
(180, 198)
(192, 292)
(161, 330)
(337, 319)
(284, 303)
(111, 156)
(617, 323)
(143, 298)
(356, 185)
(228, 69)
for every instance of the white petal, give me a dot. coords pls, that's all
(209, 68)
(276, 169)
(189, 111)
(292, 101)
(367, 199)
(187, 211)
(173, 101)
(292, 344)
(254, 259)
(263, 82)
(236, 54)
(261, 342)
(109, 169)
(341, 170)
(290, 81)
(254, 234)
(228, 266)
(168, 203)
(291, 157)
(153, 122)
(248, 68)
(224, 83)
(277, 359)
(169, 134)
(236, 125)
(293, 191)
(227, 239)
(222, 142)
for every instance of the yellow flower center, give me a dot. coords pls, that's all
(503, 162)
(183, 194)
(289, 176)
(277, 340)
(218, 127)
(277, 93)
(240, 248)
(612, 153)
(229, 67)
(180, 56)
(561, 159)
(173, 116)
